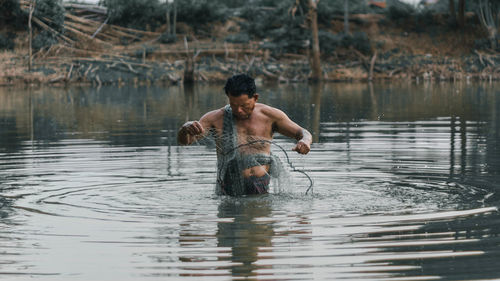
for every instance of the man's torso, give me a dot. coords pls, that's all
(252, 134)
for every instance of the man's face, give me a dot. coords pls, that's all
(242, 106)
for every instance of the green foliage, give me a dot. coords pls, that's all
(327, 9)
(200, 12)
(413, 18)
(241, 37)
(166, 38)
(50, 12)
(399, 11)
(139, 14)
(7, 41)
(482, 44)
(44, 39)
(150, 14)
(284, 31)
(11, 14)
(329, 42)
(360, 42)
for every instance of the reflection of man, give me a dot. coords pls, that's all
(245, 124)
(243, 234)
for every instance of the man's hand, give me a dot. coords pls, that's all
(302, 147)
(193, 128)
(190, 132)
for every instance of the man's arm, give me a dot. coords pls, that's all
(287, 127)
(193, 131)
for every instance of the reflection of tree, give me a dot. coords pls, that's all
(493, 137)
(244, 235)
(189, 101)
(9, 137)
(316, 102)
(374, 102)
(469, 248)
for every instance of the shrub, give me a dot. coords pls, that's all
(199, 12)
(44, 39)
(238, 38)
(6, 42)
(285, 32)
(51, 12)
(140, 14)
(359, 41)
(328, 41)
(399, 11)
(12, 15)
(167, 38)
(329, 8)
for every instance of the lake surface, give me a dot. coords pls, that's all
(406, 186)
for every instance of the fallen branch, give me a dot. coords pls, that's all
(100, 28)
(480, 57)
(129, 66)
(68, 76)
(372, 65)
(48, 28)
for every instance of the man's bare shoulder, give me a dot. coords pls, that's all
(270, 112)
(213, 116)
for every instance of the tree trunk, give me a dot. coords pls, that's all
(461, 13)
(167, 15)
(189, 65)
(488, 15)
(453, 15)
(346, 16)
(174, 21)
(313, 24)
(30, 36)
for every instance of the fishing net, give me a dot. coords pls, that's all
(250, 165)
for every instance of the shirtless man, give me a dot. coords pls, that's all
(249, 121)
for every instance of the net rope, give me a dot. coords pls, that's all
(234, 157)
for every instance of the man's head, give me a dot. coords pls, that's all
(241, 91)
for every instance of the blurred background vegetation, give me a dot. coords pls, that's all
(271, 23)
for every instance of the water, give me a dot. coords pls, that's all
(406, 187)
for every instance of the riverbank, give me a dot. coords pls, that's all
(117, 55)
(80, 70)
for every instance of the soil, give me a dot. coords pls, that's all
(399, 51)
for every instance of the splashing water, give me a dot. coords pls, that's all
(284, 176)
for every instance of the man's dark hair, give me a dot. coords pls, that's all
(240, 84)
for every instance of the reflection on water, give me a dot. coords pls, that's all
(94, 187)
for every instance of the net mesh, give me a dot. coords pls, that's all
(250, 165)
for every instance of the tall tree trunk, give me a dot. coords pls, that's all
(313, 24)
(174, 22)
(453, 15)
(489, 16)
(461, 13)
(30, 36)
(346, 16)
(189, 65)
(167, 15)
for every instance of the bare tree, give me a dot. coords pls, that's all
(453, 15)
(311, 22)
(489, 11)
(312, 18)
(171, 23)
(461, 13)
(30, 36)
(346, 16)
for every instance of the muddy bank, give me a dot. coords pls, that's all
(112, 70)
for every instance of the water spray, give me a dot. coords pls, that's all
(311, 183)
